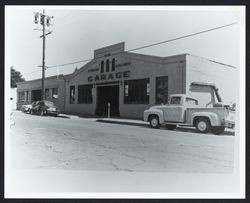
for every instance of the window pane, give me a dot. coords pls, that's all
(85, 94)
(136, 91)
(27, 96)
(148, 89)
(175, 100)
(55, 93)
(191, 101)
(107, 65)
(72, 95)
(161, 90)
(126, 90)
(113, 64)
(46, 93)
(21, 96)
(102, 66)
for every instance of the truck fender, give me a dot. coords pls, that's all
(213, 117)
(157, 112)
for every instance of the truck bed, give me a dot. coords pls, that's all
(222, 112)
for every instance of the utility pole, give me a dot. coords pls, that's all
(44, 21)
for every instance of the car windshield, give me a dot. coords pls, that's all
(48, 103)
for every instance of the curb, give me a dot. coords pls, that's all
(121, 122)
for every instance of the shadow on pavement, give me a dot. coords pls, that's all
(191, 130)
(61, 116)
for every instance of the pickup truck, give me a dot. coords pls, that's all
(184, 110)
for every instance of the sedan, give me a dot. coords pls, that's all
(44, 107)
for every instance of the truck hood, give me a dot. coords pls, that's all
(156, 107)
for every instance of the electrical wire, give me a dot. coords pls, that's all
(182, 37)
(150, 45)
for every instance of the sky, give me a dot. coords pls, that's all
(78, 31)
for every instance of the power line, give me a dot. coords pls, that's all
(182, 37)
(150, 45)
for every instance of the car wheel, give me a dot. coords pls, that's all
(171, 127)
(218, 130)
(202, 125)
(154, 122)
(31, 112)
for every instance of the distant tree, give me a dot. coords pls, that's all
(16, 77)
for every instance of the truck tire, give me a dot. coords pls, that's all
(202, 125)
(171, 127)
(154, 121)
(218, 130)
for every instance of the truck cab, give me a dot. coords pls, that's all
(177, 104)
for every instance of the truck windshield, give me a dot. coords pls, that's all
(175, 100)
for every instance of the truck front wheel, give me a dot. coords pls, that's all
(154, 121)
(218, 130)
(202, 125)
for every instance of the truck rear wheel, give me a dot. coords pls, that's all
(218, 130)
(202, 125)
(154, 121)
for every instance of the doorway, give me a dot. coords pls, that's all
(105, 95)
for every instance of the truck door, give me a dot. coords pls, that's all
(175, 111)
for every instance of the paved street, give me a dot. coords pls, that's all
(83, 144)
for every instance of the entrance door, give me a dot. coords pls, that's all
(36, 95)
(105, 95)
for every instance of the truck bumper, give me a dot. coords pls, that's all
(228, 124)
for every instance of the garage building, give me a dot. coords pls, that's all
(132, 82)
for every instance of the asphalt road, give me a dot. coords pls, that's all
(83, 144)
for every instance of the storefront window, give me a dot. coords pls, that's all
(161, 90)
(85, 94)
(21, 96)
(136, 91)
(72, 95)
(55, 93)
(46, 93)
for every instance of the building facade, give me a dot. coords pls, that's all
(131, 83)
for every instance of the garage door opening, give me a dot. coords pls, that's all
(105, 95)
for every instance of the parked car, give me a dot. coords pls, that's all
(26, 108)
(185, 110)
(43, 108)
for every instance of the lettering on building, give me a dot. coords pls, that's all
(93, 70)
(123, 64)
(109, 76)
